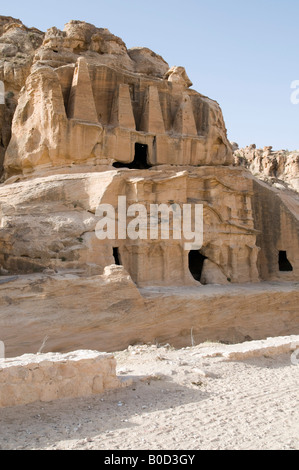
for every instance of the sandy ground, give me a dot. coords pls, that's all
(174, 400)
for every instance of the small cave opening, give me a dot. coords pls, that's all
(140, 161)
(284, 264)
(116, 256)
(196, 261)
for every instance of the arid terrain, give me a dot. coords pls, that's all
(175, 400)
(90, 127)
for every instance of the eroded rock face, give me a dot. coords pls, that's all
(17, 48)
(82, 39)
(109, 313)
(148, 62)
(48, 377)
(86, 121)
(275, 208)
(50, 222)
(92, 122)
(277, 168)
(100, 113)
(24, 50)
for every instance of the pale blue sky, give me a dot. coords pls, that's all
(242, 54)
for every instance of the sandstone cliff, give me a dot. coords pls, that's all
(17, 49)
(277, 168)
(85, 121)
(85, 74)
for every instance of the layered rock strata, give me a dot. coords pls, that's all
(86, 122)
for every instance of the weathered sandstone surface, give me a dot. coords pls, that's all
(17, 49)
(86, 121)
(269, 347)
(277, 168)
(109, 313)
(93, 100)
(180, 399)
(47, 377)
(50, 222)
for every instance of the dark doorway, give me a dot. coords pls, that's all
(284, 264)
(116, 256)
(140, 159)
(196, 261)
